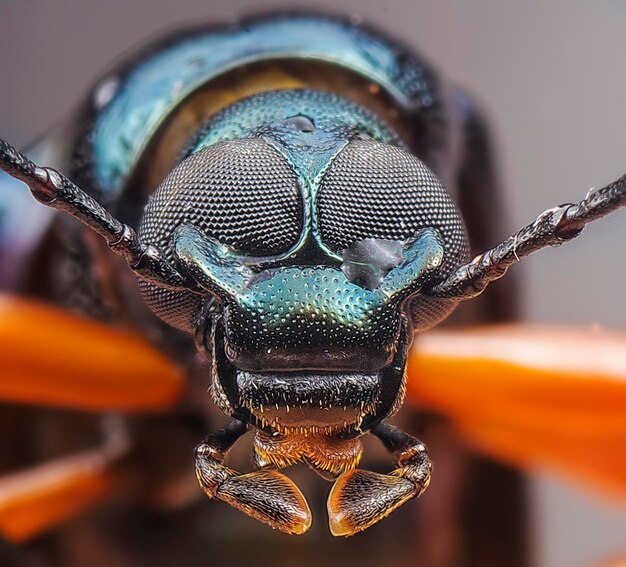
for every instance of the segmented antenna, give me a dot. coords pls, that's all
(53, 189)
(551, 228)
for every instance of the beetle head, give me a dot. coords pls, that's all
(312, 239)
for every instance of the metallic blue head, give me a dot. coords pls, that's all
(311, 231)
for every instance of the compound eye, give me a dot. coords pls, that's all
(378, 191)
(242, 193)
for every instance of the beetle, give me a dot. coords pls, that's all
(324, 308)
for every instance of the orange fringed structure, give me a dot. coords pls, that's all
(54, 358)
(531, 396)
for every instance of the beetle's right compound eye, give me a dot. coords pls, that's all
(241, 193)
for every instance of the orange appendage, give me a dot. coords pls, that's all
(34, 500)
(51, 357)
(531, 396)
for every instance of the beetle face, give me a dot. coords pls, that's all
(314, 240)
(305, 340)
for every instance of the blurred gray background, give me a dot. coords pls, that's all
(551, 77)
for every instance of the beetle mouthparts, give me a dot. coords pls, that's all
(308, 403)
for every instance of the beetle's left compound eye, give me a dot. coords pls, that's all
(379, 191)
(241, 193)
(376, 190)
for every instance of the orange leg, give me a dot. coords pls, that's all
(54, 358)
(531, 396)
(42, 497)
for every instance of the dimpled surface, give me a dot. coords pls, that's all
(242, 193)
(300, 296)
(316, 311)
(308, 127)
(316, 305)
(375, 190)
